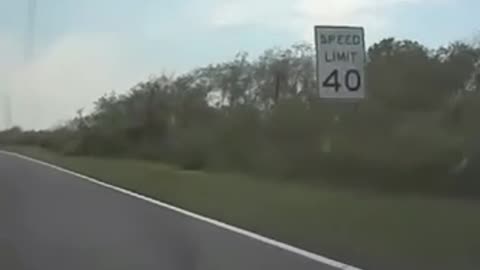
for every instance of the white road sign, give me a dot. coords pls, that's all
(340, 62)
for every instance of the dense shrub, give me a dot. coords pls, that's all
(262, 116)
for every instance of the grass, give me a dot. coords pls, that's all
(369, 230)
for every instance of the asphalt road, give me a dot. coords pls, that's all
(53, 220)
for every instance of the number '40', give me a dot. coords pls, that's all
(352, 79)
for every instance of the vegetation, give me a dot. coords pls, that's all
(263, 117)
(298, 160)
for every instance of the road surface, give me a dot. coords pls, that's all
(54, 220)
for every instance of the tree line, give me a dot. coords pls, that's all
(262, 116)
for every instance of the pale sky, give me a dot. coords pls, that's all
(85, 48)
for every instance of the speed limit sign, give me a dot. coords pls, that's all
(340, 62)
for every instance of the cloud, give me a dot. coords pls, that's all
(300, 16)
(72, 73)
(228, 13)
(83, 61)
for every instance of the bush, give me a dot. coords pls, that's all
(262, 116)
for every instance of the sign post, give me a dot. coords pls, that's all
(340, 62)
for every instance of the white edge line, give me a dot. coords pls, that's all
(275, 243)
